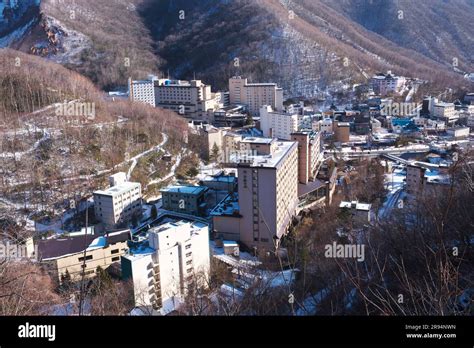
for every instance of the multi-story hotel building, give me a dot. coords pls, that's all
(143, 91)
(276, 124)
(119, 203)
(268, 191)
(310, 155)
(445, 112)
(192, 99)
(255, 95)
(384, 84)
(178, 256)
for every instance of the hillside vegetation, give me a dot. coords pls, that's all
(438, 29)
(304, 45)
(47, 156)
(307, 46)
(103, 40)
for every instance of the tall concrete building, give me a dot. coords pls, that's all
(143, 91)
(276, 124)
(192, 99)
(255, 95)
(119, 203)
(342, 131)
(177, 258)
(268, 192)
(445, 112)
(415, 179)
(310, 155)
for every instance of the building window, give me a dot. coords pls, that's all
(115, 259)
(89, 257)
(114, 251)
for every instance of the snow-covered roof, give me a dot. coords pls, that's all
(228, 207)
(355, 205)
(190, 190)
(269, 161)
(118, 189)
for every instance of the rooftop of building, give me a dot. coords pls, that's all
(193, 226)
(261, 84)
(267, 161)
(227, 207)
(190, 190)
(443, 104)
(50, 249)
(178, 83)
(118, 189)
(388, 75)
(220, 178)
(312, 134)
(255, 140)
(140, 82)
(356, 205)
(312, 186)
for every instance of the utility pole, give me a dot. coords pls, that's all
(84, 261)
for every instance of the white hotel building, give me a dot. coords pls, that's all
(143, 91)
(192, 99)
(119, 203)
(178, 255)
(255, 95)
(384, 84)
(276, 124)
(445, 112)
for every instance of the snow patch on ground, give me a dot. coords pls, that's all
(16, 35)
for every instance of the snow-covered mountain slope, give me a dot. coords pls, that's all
(16, 18)
(307, 46)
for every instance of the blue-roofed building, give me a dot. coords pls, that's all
(404, 125)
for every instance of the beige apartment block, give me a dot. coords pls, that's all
(213, 137)
(309, 155)
(192, 99)
(268, 193)
(276, 124)
(118, 204)
(66, 254)
(255, 95)
(231, 145)
(445, 112)
(178, 256)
